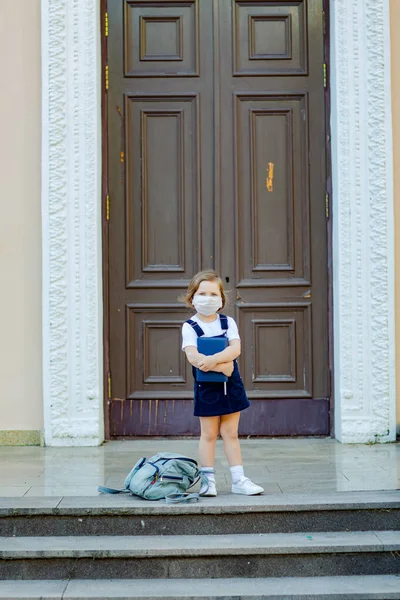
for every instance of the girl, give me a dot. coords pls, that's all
(218, 408)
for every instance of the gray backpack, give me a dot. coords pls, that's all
(164, 475)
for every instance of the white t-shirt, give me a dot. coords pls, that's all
(189, 336)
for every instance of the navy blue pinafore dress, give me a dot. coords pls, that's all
(210, 399)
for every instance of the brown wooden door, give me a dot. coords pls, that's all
(217, 159)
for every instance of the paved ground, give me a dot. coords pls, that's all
(279, 465)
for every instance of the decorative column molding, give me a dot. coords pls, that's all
(363, 235)
(71, 219)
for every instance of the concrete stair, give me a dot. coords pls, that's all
(240, 555)
(344, 545)
(290, 588)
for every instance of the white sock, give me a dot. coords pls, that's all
(209, 472)
(237, 473)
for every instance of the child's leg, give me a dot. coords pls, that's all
(208, 439)
(229, 432)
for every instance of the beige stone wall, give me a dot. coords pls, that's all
(395, 53)
(20, 223)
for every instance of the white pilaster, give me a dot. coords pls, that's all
(363, 236)
(71, 217)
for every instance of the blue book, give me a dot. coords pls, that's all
(209, 346)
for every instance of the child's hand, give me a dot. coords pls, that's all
(195, 359)
(207, 363)
(228, 368)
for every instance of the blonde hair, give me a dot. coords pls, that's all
(194, 285)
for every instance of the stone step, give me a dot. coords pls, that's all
(225, 514)
(202, 556)
(375, 587)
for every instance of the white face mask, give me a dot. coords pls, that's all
(207, 305)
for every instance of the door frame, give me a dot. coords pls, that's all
(105, 214)
(328, 200)
(361, 211)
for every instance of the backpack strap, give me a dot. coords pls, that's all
(182, 498)
(196, 327)
(223, 322)
(106, 490)
(170, 499)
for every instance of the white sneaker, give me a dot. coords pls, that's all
(247, 487)
(208, 489)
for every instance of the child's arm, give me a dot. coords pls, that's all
(208, 363)
(226, 368)
(195, 358)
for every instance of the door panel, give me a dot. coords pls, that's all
(160, 361)
(216, 159)
(161, 41)
(270, 38)
(272, 194)
(162, 149)
(278, 363)
(160, 107)
(271, 169)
